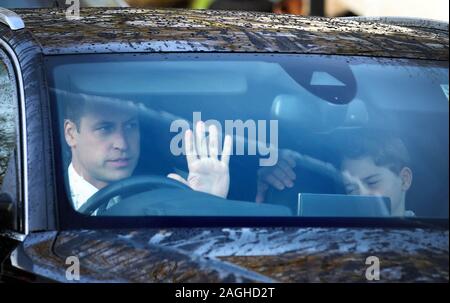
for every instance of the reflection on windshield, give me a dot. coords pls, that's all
(229, 135)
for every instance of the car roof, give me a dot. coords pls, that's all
(110, 30)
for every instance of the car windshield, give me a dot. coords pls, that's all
(266, 135)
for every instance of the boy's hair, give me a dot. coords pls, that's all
(385, 150)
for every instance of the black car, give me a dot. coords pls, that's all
(339, 171)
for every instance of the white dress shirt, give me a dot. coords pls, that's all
(80, 189)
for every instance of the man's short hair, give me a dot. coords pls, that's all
(74, 109)
(385, 150)
(75, 105)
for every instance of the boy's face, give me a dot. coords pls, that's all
(363, 177)
(106, 145)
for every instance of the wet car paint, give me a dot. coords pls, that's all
(144, 30)
(242, 254)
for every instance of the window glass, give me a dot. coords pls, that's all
(283, 135)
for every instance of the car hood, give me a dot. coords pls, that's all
(238, 254)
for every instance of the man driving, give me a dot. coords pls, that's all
(104, 140)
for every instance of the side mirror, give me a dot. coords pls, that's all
(6, 211)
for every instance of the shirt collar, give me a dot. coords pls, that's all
(80, 189)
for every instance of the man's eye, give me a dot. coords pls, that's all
(104, 129)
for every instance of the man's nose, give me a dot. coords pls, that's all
(120, 141)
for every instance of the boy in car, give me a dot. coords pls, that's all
(370, 165)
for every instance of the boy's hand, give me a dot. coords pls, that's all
(279, 176)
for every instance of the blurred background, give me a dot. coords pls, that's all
(431, 9)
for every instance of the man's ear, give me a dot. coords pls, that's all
(406, 176)
(70, 130)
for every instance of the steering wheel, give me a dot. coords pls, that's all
(132, 185)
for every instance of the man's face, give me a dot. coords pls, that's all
(105, 147)
(363, 177)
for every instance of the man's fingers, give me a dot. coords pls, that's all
(200, 139)
(227, 147)
(178, 178)
(213, 142)
(191, 153)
